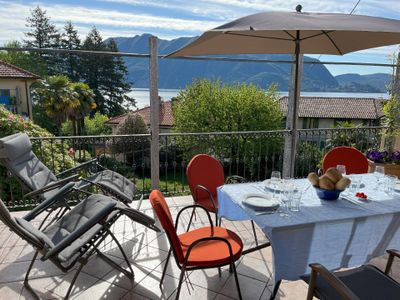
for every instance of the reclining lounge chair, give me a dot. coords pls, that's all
(75, 236)
(17, 156)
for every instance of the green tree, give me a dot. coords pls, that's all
(77, 115)
(212, 106)
(106, 76)
(93, 125)
(56, 97)
(209, 106)
(29, 61)
(43, 34)
(71, 62)
(131, 147)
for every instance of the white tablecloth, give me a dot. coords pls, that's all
(334, 233)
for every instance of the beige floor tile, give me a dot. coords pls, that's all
(288, 290)
(17, 253)
(194, 292)
(255, 268)
(11, 290)
(120, 279)
(149, 286)
(133, 296)
(209, 278)
(101, 290)
(250, 288)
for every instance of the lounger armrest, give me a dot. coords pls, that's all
(58, 197)
(138, 217)
(76, 234)
(330, 279)
(194, 207)
(392, 254)
(52, 186)
(77, 168)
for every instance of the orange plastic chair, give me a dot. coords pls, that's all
(202, 248)
(354, 160)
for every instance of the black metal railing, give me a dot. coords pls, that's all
(252, 155)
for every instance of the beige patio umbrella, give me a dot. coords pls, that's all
(295, 33)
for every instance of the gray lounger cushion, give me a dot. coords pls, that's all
(73, 220)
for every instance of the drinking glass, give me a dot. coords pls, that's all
(355, 183)
(390, 184)
(341, 169)
(295, 200)
(379, 171)
(275, 179)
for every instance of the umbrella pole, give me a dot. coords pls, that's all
(290, 149)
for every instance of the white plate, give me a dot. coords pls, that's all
(261, 201)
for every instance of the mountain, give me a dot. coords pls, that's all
(177, 73)
(377, 81)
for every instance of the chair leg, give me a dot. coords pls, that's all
(178, 291)
(254, 232)
(275, 291)
(191, 218)
(165, 268)
(26, 280)
(73, 280)
(123, 254)
(236, 278)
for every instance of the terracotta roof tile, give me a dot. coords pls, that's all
(10, 71)
(337, 108)
(166, 118)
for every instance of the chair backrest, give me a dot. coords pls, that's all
(17, 156)
(204, 170)
(163, 213)
(354, 160)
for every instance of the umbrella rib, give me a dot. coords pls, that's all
(317, 34)
(257, 36)
(289, 34)
(332, 41)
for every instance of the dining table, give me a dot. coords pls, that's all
(342, 233)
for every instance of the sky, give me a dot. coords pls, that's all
(176, 18)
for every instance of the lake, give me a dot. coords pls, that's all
(143, 98)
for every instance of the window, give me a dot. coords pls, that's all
(310, 123)
(5, 97)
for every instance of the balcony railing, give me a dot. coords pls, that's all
(252, 155)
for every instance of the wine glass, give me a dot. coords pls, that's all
(275, 179)
(341, 169)
(380, 174)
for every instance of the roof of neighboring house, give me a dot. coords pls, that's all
(10, 71)
(166, 118)
(337, 107)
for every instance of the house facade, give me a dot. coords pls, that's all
(326, 112)
(15, 86)
(314, 112)
(166, 118)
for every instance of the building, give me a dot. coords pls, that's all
(314, 112)
(325, 112)
(166, 118)
(15, 86)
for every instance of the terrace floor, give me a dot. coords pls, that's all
(147, 251)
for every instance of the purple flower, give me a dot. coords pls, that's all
(396, 157)
(383, 156)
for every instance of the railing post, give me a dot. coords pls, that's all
(154, 114)
(290, 149)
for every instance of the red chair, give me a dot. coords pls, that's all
(354, 160)
(204, 174)
(202, 248)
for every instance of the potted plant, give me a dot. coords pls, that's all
(386, 156)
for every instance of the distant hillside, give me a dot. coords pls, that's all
(177, 73)
(377, 82)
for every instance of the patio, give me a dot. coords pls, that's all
(148, 251)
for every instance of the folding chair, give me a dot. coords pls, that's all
(202, 248)
(76, 236)
(365, 282)
(17, 156)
